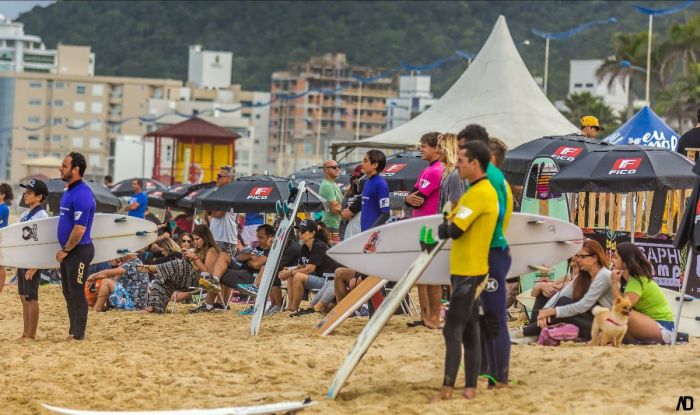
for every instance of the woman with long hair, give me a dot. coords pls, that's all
(574, 302)
(652, 318)
(181, 274)
(452, 187)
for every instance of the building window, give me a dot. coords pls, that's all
(96, 108)
(78, 142)
(578, 85)
(33, 119)
(35, 102)
(589, 85)
(35, 84)
(58, 85)
(80, 89)
(57, 121)
(56, 138)
(95, 142)
(94, 159)
(79, 106)
(32, 155)
(98, 90)
(58, 103)
(33, 138)
(96, 125)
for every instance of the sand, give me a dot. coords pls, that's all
(180, 361)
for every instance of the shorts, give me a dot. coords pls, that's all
(666, 330)
(28, 289)
(314, 283)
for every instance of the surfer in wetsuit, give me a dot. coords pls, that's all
(471, 226)
(74, 225)
(495, 336)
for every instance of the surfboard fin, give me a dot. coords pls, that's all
(540, 268)
(120, 220)
(427, 240)
(536, 222)
(278, 207)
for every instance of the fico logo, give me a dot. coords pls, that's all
(392, 169)
(697, 212)
(259, 193)
(626, 166)
(567, 153)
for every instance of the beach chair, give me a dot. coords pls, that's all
(407, 305)
(198, 291)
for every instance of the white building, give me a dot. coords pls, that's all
(582, 78)
(209, 69)
(20, 52)
(414, 98)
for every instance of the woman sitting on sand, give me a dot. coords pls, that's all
(652, 318)
(123, 286)
(165, 250)
(543, 291)
(180, 274)
(574, 302)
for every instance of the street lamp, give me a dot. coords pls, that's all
(564, 35)
(651, 13)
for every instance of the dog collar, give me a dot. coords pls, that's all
(613, 321)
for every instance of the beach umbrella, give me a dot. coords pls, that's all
(155, 199)
(256, 194)
(626, 168)
(105, 201)
(123, 188)
(402, 170)
(193, 199)
(562, 149)
(178, 191)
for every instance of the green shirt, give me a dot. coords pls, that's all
(331, 192)
(652, 301)
(505, 209)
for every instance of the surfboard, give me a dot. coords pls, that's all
(538, 199)
(380, 318)
(33, 244)
(690, 315)
(387, 251)
(273, 408)
(348, 305)
(284, 229)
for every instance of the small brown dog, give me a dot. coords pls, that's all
(611, 325)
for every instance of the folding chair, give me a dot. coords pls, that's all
(191, 290)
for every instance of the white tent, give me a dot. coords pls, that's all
(495, 91)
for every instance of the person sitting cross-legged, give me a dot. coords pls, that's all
(242, 269)
(313, 264)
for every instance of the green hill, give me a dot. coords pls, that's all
(150, 38)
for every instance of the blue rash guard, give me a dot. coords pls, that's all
(77, 208)
(4, 215)
(375, 201)
(142, 200)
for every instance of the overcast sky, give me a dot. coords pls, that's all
(12, 9)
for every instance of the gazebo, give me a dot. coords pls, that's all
(197, 149)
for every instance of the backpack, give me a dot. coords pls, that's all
(553, 335)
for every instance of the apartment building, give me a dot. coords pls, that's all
(20, 52)
(46, 114)
(345, 109)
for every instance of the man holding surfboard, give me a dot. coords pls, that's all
(471, 225)
(74, 225)
(496, 338)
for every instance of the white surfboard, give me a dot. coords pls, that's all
(33, 244)
(389, 250)
(273, 408)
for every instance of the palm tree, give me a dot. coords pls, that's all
(683, 44)
(681, 101)
(631, 48)
(584, 103)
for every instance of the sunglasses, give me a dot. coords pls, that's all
(219, 176)
(186, 241)
(583, 255)
(332, 167)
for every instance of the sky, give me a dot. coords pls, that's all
(12, 9)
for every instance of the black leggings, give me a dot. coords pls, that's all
(74, 269)
(583, 321)
(462, 329)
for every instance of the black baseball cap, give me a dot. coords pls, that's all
(306, 225)
(37, 186)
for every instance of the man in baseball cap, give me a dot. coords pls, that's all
(590, 126)
(38, 187)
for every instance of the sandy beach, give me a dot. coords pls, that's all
(132, 361)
